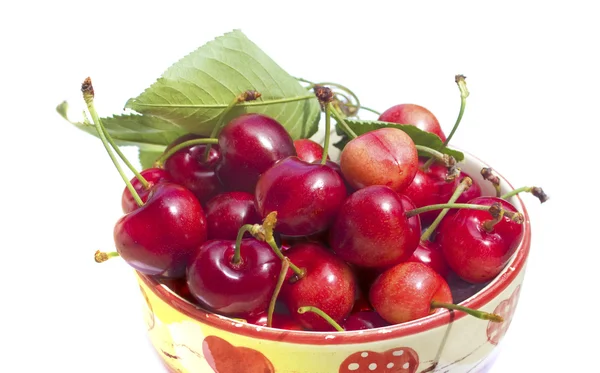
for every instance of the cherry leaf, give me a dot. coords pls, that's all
(196, 90)
(419, 136)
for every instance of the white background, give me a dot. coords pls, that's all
(532, 70)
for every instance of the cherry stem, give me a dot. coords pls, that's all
(364, 108)
(448, 160)
(498, 214)
(299, 273)
(322, 314)
(536, 191)
(285, 265)
(487, 174)
(464, 93)
(515, 216)
(168, 153)
(327, 133)
(88, 97)
(101, 257)
(464, 185)
(237, 257)
(343, 125)
(479, 314)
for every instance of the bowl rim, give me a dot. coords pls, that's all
(478, 300)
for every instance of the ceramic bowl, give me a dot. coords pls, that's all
(191, 340)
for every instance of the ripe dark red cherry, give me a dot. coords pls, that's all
(430, 254)
(405, 291)
(280, 321)
(372, 230)
(250, 144)
(475, 254)
(153, 176)
(328, 284)
(237, 290)
(227, 212)
(188, 167)
(415, 115)
(160, 237)
(364, 320)
(306, 196)
(308, 150)
(386, 156)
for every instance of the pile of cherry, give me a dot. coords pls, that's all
(256, 226)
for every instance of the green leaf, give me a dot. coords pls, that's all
(419, 136)
(146, 132)
(148, 157)
(196, 90)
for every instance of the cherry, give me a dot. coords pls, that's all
(405, 292)
(152, 176)
(227, 212)
(308, 150)
(159, 237)
(372, 230)
(305, 195)
(415, 115)
(231, 282)
(190, 168)
(430, 254)
(250, 144)
(364, 320)
(328, 283)
(476, 248)
(280, 321)
(386, 156)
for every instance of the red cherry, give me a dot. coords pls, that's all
(372, 230)
(227, 212)
(153, 176)
(234, 289)
(386, 156)
(405, 292)
(280, 321)
(415, 115)
(328, 284)
(160, 237)
(306, 196)
(475, 254)
(364, 320)
(250, 144)
(430, 254)
(308, 150)
(190, 168)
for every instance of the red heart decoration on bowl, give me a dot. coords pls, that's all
(223, 357)
(506, 309)
(395, 360)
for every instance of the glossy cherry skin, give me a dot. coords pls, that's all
(227, 212)
(188, 168)
(415, 115)
(306, 196)
(386, 156)
(430, 254)
(473, 253)
(250, 144)
(328, 284)
(364, 320)
(424, 191)
(235, 290)
(308, 150)
(153, 176)
(280, 321)
(160, 237)
(372, 230)
(405, 291)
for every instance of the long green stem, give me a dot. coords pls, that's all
(441, 206)
(327, 133)
(112, 143)
(344, 126)
(285, 265)
(237, 257)
(514, 192)
(479, 314)
(322, 314)
(88, 96)
(219, 125)
(448, 160)
(168, 153)
(245, 104)
(464, 185)
(297, 271)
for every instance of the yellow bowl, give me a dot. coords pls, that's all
(190, 339)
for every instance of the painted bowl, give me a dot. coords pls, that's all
(189, 339)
